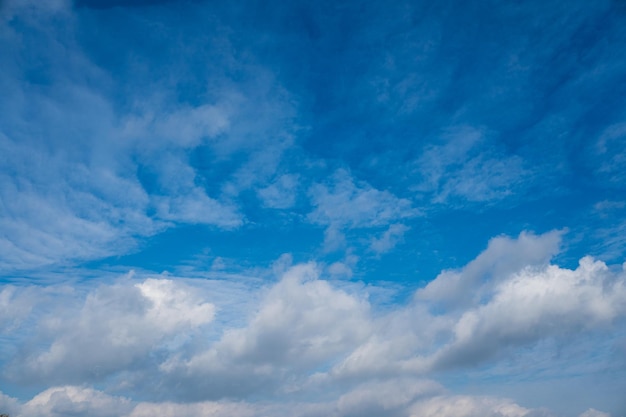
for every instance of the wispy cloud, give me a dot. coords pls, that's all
(68, 150)
(466, 168)
(344, 203)
(304, 191)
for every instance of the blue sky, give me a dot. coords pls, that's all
(355, 208)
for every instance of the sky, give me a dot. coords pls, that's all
(271, 208)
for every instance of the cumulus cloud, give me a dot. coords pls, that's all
(535, 304)
(406, 398)
(390, 397)
(594, 413)
(503, 257)
(77, 401)
(8, 405)
(301, 323)
(467, 406)
(118, 124)
(306, 338)
(516, 299)
(114, 329)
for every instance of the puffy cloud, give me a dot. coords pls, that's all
(392, 398)
(116, 327)
(8, 405)
(508, 298)
(305, 338)
(207, 408)
(467, 406)
(343, 268)
(301, 323)
(594, 413)
(504, 256)
(75, 401)
(534, 304)
(395, 347)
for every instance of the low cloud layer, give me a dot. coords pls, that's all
(307, 338)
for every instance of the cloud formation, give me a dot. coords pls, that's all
(62, 199)
(408, 401)
(328, 208)
(309, 335)
(111, 330)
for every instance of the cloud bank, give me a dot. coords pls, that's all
(307, 338)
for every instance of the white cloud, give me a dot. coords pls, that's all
(185, 127)
(594, 413)
(15, 306)
(609, 157)
(306, 338)
(173, 305)
(280, 194)
(605, 206)
(84, 178)
(301, 323)
(75, 401)
(346, 204)
(504, 256)
(535, 304)
(8, 405)
(466, 168)
(389, 239)
(508, 298)
(395, 346)
(309, 322)
(390, 397)
(55, 209)
(207, 408)
(339, 269)
(402, 398)
(197, 208)
(115, 328)
(467, 406)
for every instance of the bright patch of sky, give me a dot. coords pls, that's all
(358, 208)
